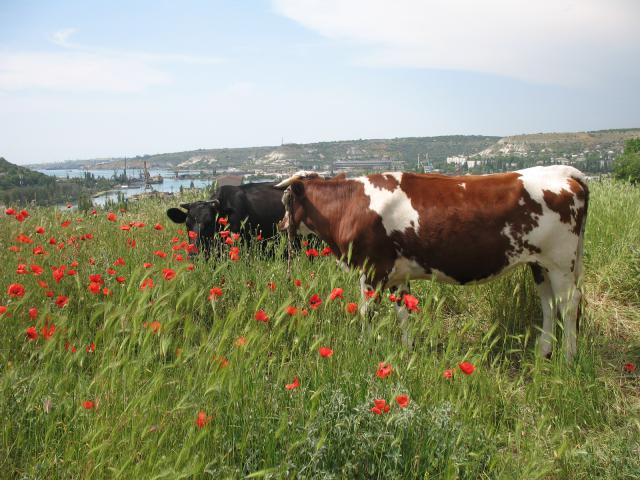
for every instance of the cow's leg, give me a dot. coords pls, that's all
(366, 301)
(402, 314)
(545, 292)
(568, 296)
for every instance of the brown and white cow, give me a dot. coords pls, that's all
(459, 230)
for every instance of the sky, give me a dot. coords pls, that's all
(94, 79)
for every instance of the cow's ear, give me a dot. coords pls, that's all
(176, 215)
(297, 188)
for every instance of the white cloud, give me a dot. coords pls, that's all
(80, 68)
(546, 41)
(77, 72)
(61, 37)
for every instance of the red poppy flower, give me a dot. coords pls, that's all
(106, 291)
(147, 265)
(33, 313)
(168, 273)
(91, 348)
(32, 333)
(272, 286)
(22, 238)
(380, 406)
(10, 211)
(466, 367)
(52, 241)
(158, 227)
(224, 234)
(295, 384)
(43, 284)
(410, 302)
(37, 269)
(259, 237)
(223, 221)
(47, 331)
(326, 251)
(370, 294)
(40, 230)
(352, 308)
(96, 277)
(61, 301)
(202, 419)
(384, 370)
(119, 261)
(95, 287)
(325, 352)
(16, 290)
(315, 301)
(241, 342)
(146, 283)
(214, 293)
(402, 401)
(126, 228)
(71, 273)
(192, 235)
(22, 269)
(19, 217)
(74, 264)
(629, 367)
(261, 316)
(228, 241)
(92, 261)
(234, 254)
(65, 224)
(291, 311)
(297, 283)
(58, 273)
(111, 217)
(155, 326)
(448, 373)
(160, 253)
(131, 242)
(336, 293)
(14, 248)
(3, 309)
(88, 404)
(312, 252)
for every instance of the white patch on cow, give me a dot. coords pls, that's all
(555, 239)
(463, 185)
(405, 269)
(394, 207)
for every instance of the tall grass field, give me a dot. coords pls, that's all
(121, 357)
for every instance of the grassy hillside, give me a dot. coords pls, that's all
(22, 186)
(150, 360)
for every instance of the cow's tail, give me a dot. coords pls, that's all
(579, 177)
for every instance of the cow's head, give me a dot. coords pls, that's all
(296, 215)
(199, 217)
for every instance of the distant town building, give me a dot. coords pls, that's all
(457, 160)
(365, 165)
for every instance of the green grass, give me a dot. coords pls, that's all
(516, 416)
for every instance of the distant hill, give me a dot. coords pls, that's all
(591, 151)
(14, 176)
(320, 154)
(20, 185)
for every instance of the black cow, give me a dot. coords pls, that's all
(250, 209)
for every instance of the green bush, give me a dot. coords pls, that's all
(627, 165)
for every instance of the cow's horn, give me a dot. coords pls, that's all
(296, 176)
